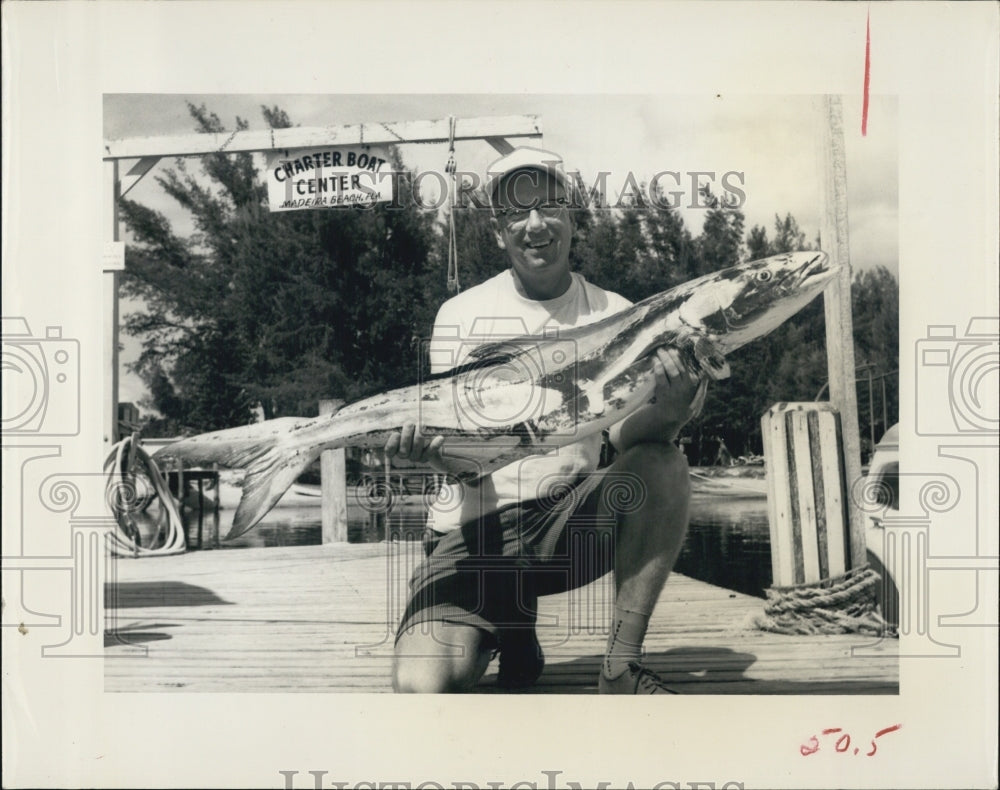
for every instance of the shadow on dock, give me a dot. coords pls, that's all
(137, 634)
(692, 670)
(140, 595)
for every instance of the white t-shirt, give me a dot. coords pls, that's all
(491, 311)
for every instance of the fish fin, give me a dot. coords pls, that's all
(232, 448)
(483, 357)
(503, 350)
(268, 477)
(267, 452)
(710, 360)
(699, 353)
(594, 393)
(465, 467)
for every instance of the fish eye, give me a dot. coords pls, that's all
(763, 276)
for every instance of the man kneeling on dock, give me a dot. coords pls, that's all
(550, 522)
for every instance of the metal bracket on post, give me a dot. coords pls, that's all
(135, 174)
(500, 144)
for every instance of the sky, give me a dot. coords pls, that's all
(772, 141)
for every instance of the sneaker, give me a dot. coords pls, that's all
(521, 659)
(634, 680)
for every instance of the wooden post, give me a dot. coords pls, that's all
(871, 413)
(181, 510)
(885, 409)
(837, 305)
(215, 509)
(333, 485)
(810, 538)
(110, 275)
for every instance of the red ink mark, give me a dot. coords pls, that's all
(868, 67)
(843, 743)
(879, 734)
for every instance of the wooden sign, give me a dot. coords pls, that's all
(332, 177)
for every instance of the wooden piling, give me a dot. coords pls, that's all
(834, 241)
(807, 514)
(112, 194)
(333, 485)
(216, 506)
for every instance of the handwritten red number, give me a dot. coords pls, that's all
(844, 741)
(879, 734)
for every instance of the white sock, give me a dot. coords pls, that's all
(628, 629)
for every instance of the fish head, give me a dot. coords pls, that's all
(737, 305)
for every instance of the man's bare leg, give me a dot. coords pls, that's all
(453, 658)
(649, 539)
(450, 658)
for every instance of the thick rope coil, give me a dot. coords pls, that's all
(839, 605)
(123, 466)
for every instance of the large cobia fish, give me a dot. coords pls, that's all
(526, 395)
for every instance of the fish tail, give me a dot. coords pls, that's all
(269, 452)
(268, 477)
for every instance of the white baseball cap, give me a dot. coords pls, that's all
(525, 158)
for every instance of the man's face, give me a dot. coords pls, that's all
(534, 226)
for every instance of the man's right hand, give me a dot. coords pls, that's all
(411, 445)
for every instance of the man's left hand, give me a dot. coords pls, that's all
(679, 393)
(678, 396)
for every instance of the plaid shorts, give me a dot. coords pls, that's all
(489, 573)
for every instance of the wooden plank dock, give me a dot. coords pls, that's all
(322, 618)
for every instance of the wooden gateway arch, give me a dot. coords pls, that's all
(147, 151)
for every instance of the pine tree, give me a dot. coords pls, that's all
(720, 244)
(757, 244)
(279, 309)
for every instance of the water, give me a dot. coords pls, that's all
(727, 544)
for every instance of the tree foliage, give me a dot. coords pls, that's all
(276, 309)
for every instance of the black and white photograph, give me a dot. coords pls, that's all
(376, 428)
(268, 319)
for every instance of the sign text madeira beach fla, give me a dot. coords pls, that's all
(324, 177)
